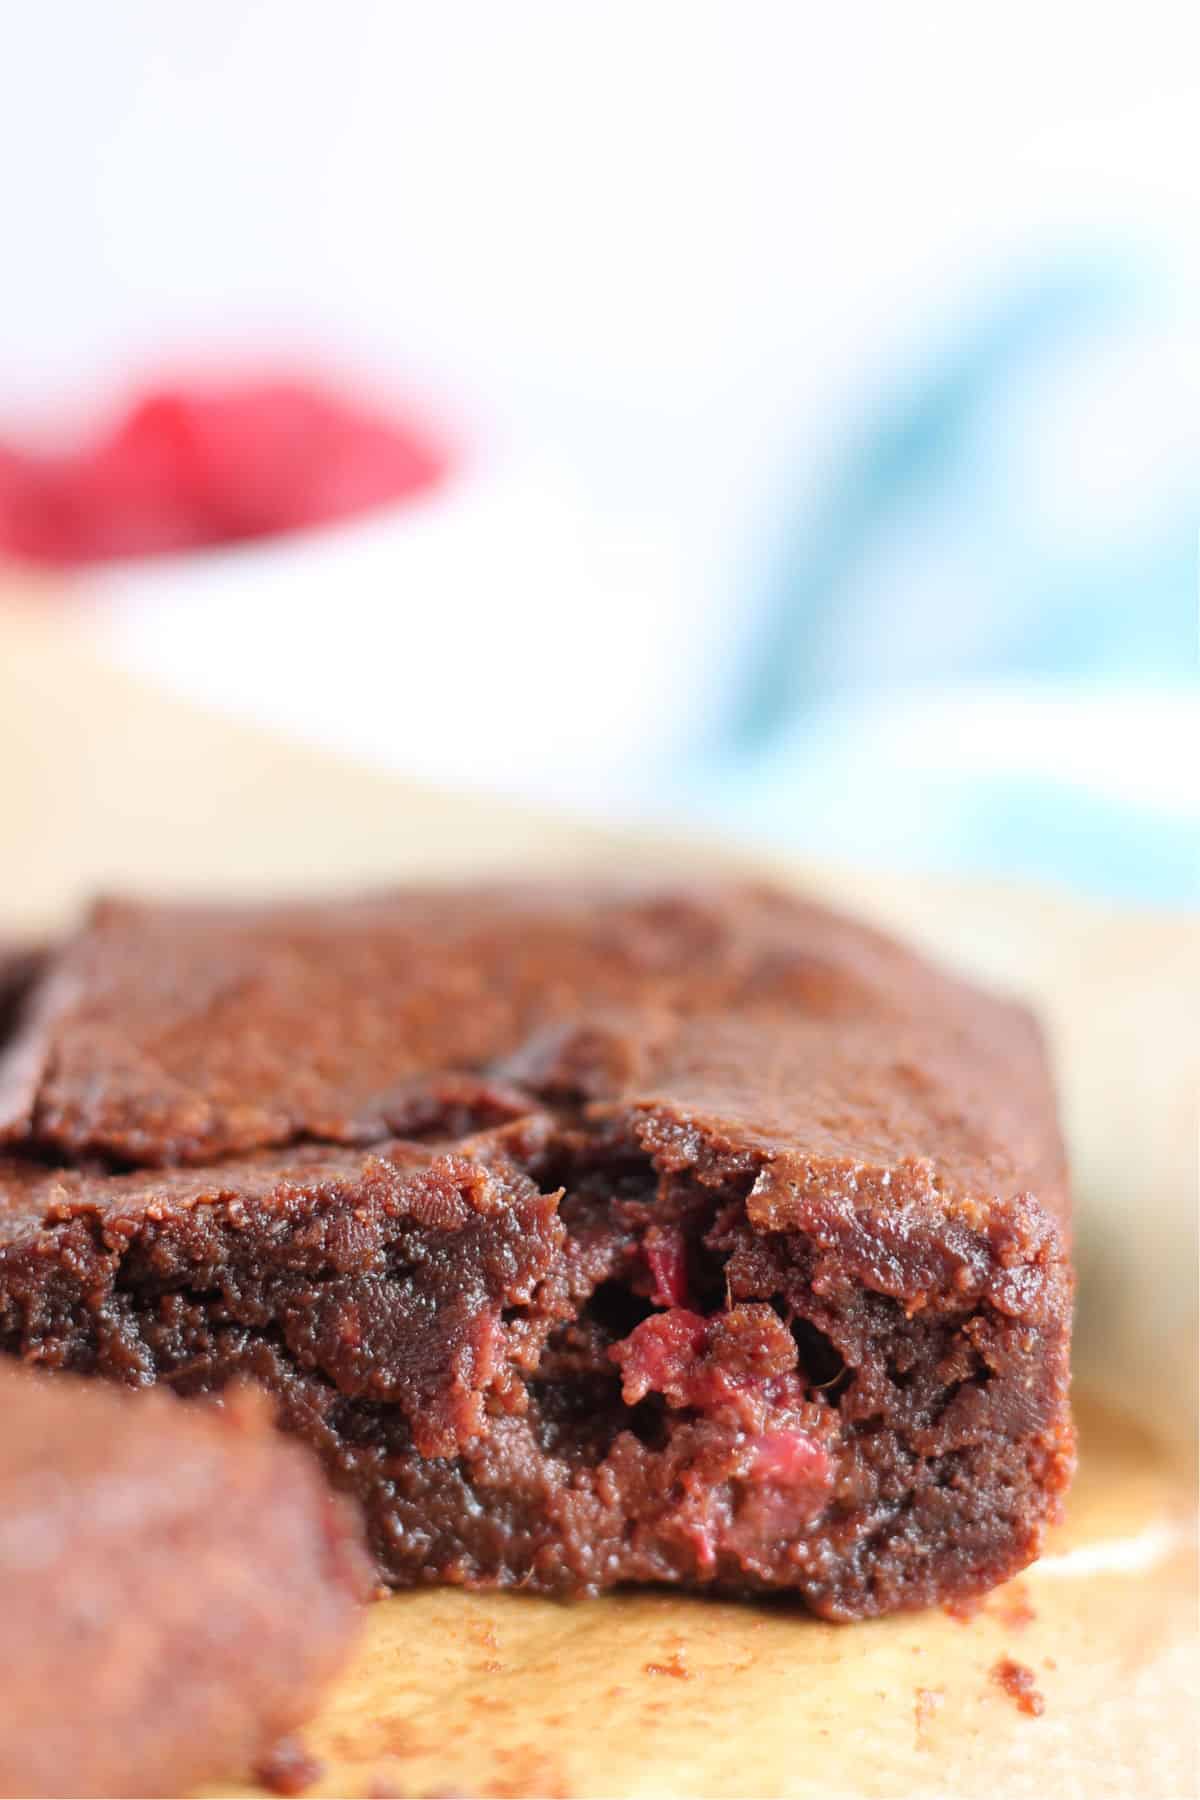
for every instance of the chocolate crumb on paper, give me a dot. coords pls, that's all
(1017, 1680)
(676, 1665)
(925, 1705)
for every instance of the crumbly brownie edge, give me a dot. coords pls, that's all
(901, 1438)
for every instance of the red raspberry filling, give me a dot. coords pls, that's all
(756, 1473)
(667, 1355)
(741, 1369)
(788, 1458)
(666, 1255)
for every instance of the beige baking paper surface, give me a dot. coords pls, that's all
(106, 784)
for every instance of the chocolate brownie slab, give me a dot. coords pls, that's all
(178, 1586)
(591, 1234)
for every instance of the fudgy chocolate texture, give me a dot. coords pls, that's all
(178, 1585)
(591, 1234)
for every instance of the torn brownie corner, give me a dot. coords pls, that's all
(724, 1244)
(834, 1376)
(155, 1562)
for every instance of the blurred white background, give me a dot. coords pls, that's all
(652, 260)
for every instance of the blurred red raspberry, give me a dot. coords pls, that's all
(192, 466)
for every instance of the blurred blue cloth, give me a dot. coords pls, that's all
(998, 578)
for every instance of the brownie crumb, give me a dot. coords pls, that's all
(288, 1768)
(925, 1704)
(675, 1665)
(963, 1610)
(1018, 1683)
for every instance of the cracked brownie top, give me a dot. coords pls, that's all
(166, 1034)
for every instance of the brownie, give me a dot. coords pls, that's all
(592, 1234)
(19, 967)
(179, 1584)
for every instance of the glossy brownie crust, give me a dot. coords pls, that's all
(178, 1585)
(591, 1234)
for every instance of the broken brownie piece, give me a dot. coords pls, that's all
(179, 1585)
(591, 1234)
(19, 966)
